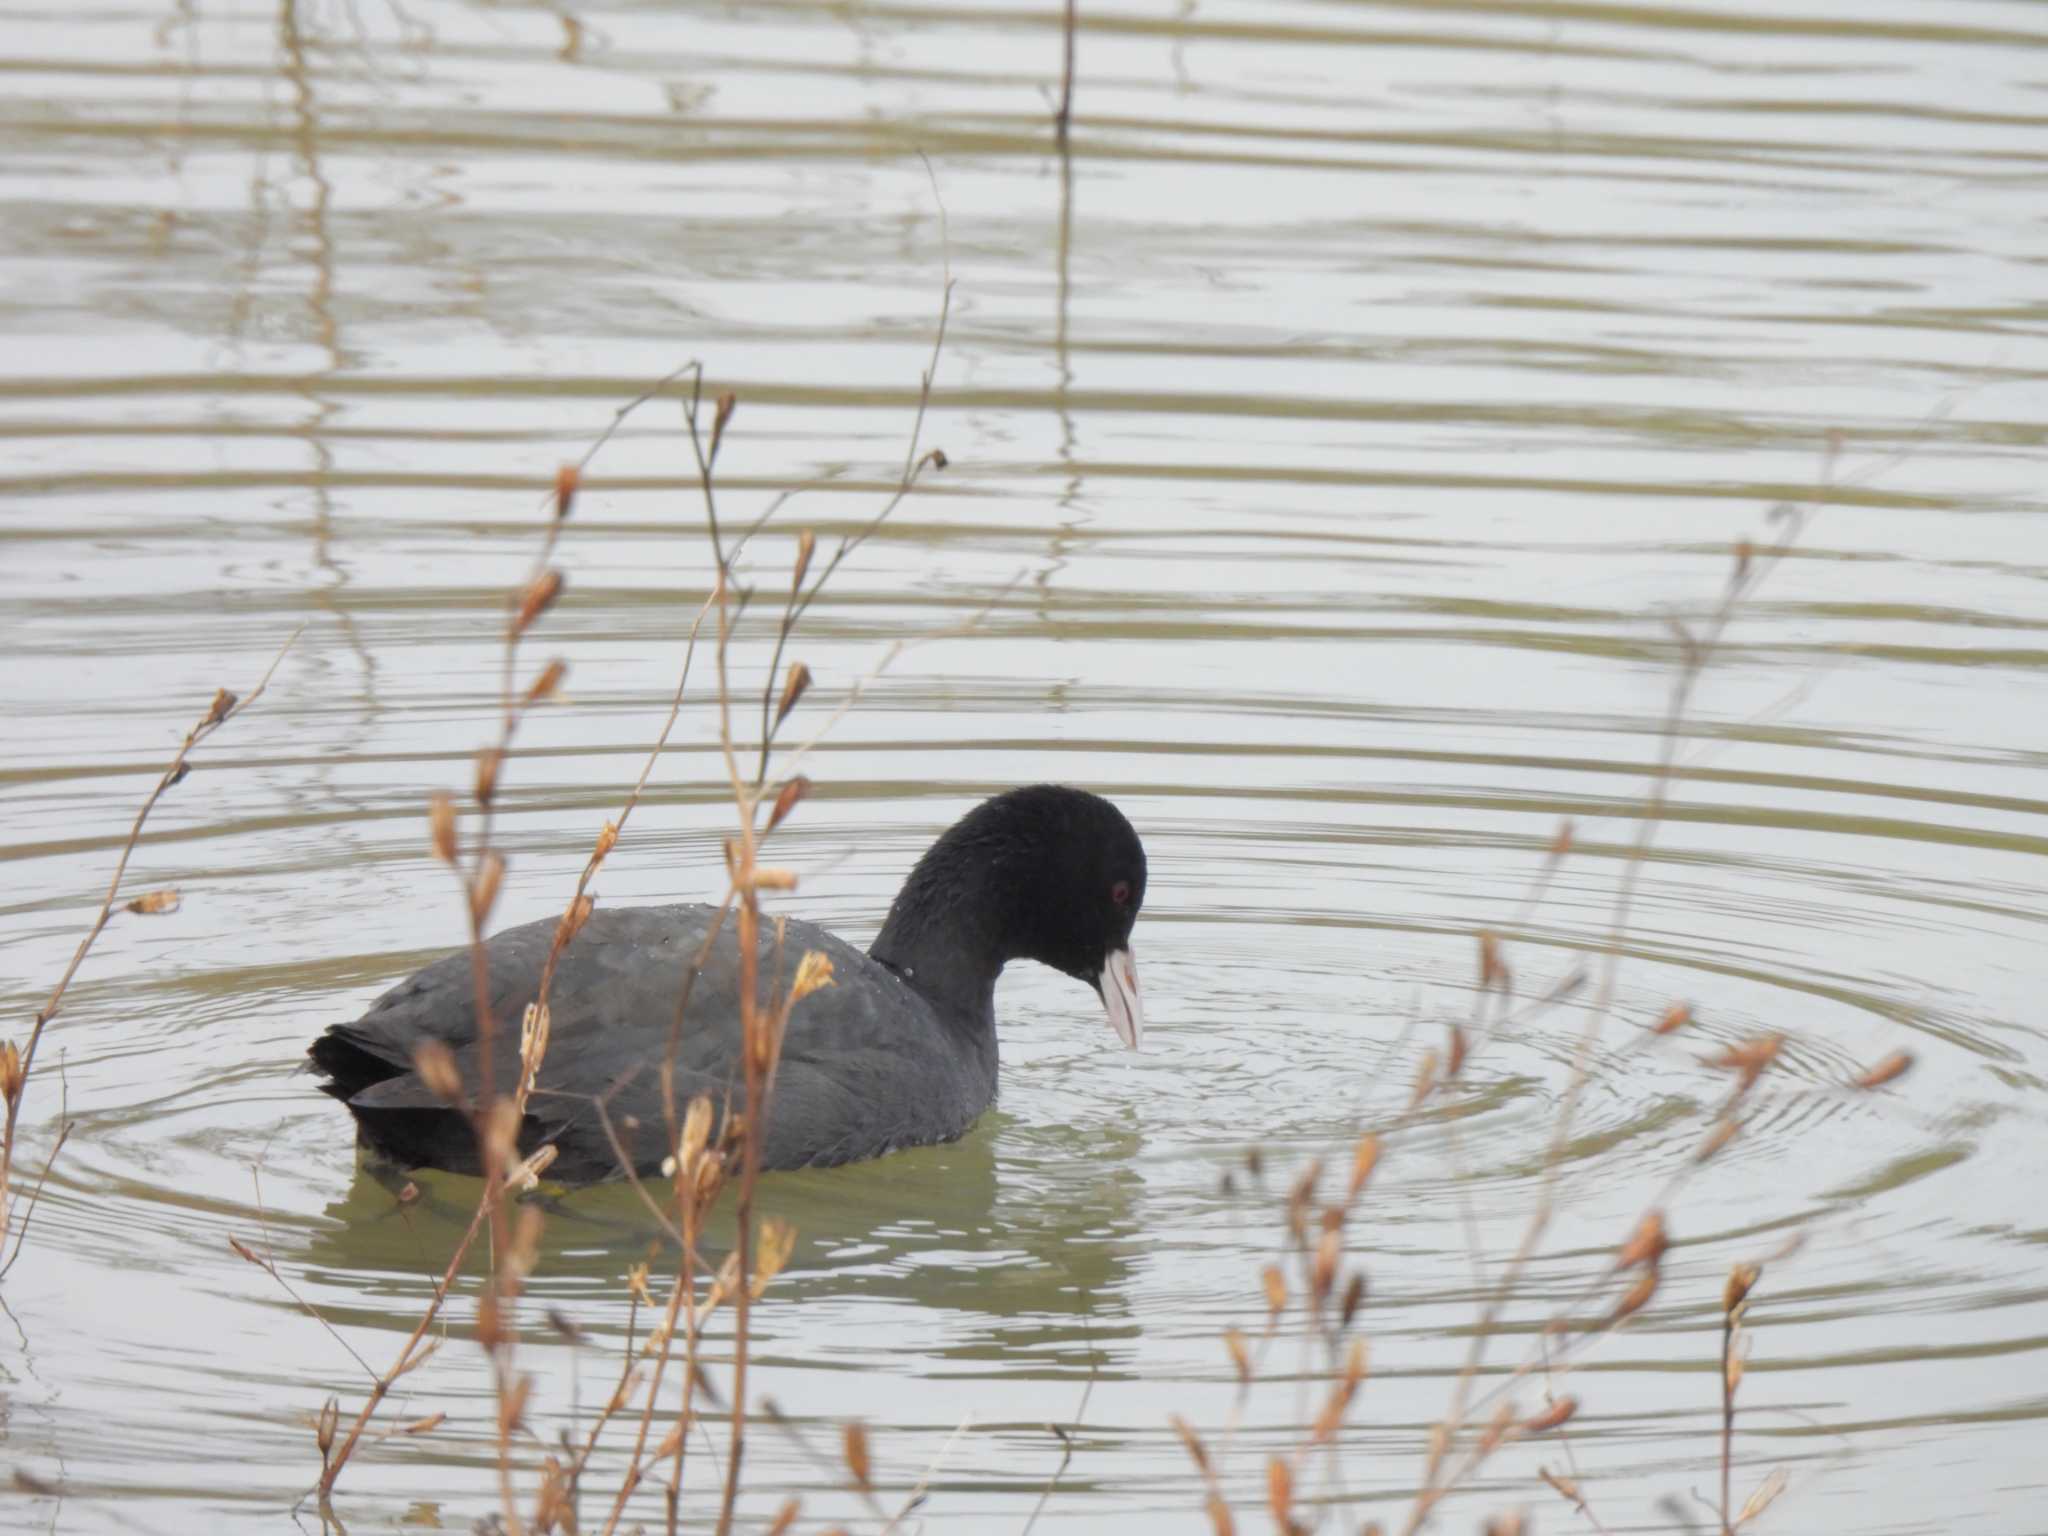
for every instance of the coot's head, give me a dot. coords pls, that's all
(1047, 873)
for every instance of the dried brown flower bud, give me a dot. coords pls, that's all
(1354, 1297)
(1276, 1289)
(324, 1427)
(568, 479)
(1676, 1017)
(434, 1064)
(1280, 1490)
(441, 826)
(1197, 1453)
(1646, 1244)
(483, 891)
(1557, 1413)
(1240, 1355)
(155, 903)
(786, 800)
(544, 686)
(727, 403)
(856, 1446)
(813, 972)
(1717, 1138)
(537, 599)
(488, 761)
(1638, 1295)
(1891, 1069)
(806, 546)
(1742, 1280)
(223, 705)
(11, 1075)
(1365, 1157)
(794, 682)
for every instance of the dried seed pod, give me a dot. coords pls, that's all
(813, 974)
(1323, 1272)
(1354, 1296)
(1750, 1058)
(483, 890)
(1637, 1296)
(155, 903)
(434, 1064)
(1220, 1521)
(1365, 1157)
(577, 915)
(1240, 1355)
(527, 1175)
(794, 682)
(1197, 1452)
(325, 1426)
(441, 826)
(537, 599)
(1276, 1289)
(1675, 1018)
(1717, 1138)
(223, 705)
(1280, 1491)
(806, 545)
(1646, 1244)
(544, 686)
(488, 1333)
(767, 878)
(777, 1240)
(1765, 1496)
(501, 1133)
(1742, 1280)
(1564, 1485)
(936, 458)
(11, 1075)
(512, 1406)
(1492, 968)
(1560, 1411)
(488, 761)
(1561, 844)
(855, 1438)
(727, 403)
(696, 1132)
(1891, 1069)
(568, 479)
(1454, 1053)
(425, 1425)
(786, 800)
(607, 840)
(785, 1517)
(1425, 1080)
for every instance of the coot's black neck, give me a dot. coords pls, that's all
(947, 934)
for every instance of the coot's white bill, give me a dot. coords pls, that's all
(1120, 996)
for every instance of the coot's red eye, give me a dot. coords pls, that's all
(1120, 893)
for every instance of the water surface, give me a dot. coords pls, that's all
(1333, 437)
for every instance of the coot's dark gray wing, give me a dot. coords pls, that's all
(839, 1095)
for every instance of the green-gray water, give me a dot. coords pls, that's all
(1333, 436)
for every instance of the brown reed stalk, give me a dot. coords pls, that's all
(1065, 116)
(1695, 652)
(16, 1067)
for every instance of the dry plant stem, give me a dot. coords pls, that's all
(635, 1468)
(1727, 1418)
(225, 707)
(1066, 113)
(1695, 654)
(398, 1367)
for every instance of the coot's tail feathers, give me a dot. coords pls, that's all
(351, 1062)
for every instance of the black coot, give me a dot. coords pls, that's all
(899, 1051)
